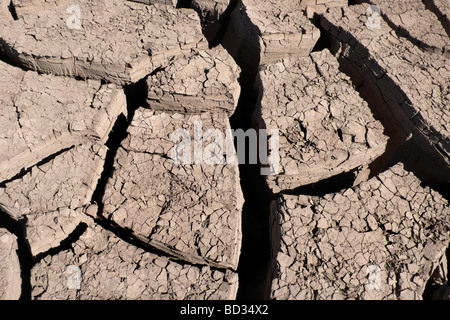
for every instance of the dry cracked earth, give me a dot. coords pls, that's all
(92, 205)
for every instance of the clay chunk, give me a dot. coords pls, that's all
(51, 195)
(411, 83)
(101, 266)
(204, 81)
(380, 240)
(325, 127)
(10, 278)
(114, 40)
(189, 209)
(43, 114)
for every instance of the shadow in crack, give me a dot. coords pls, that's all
(65, 244)
(214, 25)
(136, 95)
(254, 267)
(333, 184)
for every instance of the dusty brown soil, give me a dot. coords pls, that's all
(93, 204)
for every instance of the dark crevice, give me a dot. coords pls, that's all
(12, 10)
(444, 190)
(224, 21)
(17, 227)
(65, 244)
(397, 283)
(136, 95)
(125, 234)
(437, 286)
(324, 41)
(255, 259)
(184, 4)
(447, 255)
(323, 187)
(25, 171)
(213, 25)
(244, 47)
(339, 133)
(354, 2)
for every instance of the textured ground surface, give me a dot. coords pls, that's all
(119, 41)
(192, 210)
(325, 127)
(44, 114)
(329, 245)
(204, 81)
(136, 274)
(413, 83)
(119, 178)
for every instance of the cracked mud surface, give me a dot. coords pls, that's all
(119, 41)
(189, 210)
(325, 127)
(136, 274)
(329, 243)
(98, 198)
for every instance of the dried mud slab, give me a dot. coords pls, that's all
(271, 30)
(51, 195)
(191, 211)
(406, 84)
(117, 41)
(103, 267)
(380, 240)
(325, 127)
(412, 20)
(43, 114)
(10, 278)
(204, 81)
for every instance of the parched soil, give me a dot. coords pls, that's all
(134, 163)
